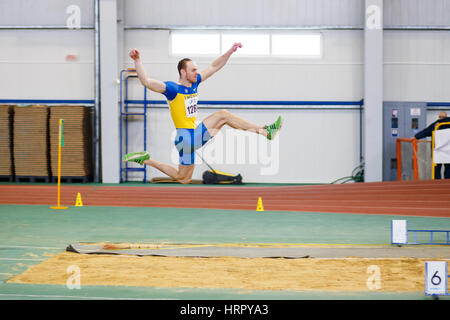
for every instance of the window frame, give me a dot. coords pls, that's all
(270, 54)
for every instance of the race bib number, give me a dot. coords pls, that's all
(190, 103)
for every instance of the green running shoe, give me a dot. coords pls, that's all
(274, 128)
(138, 157)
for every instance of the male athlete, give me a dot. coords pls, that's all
(182, 100)
(428, 132)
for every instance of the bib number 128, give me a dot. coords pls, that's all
(191, 107)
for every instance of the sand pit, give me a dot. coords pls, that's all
(339, 275)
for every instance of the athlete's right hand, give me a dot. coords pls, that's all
(134, 54)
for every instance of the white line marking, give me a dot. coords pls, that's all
(74, 297)
(377, 258)
(15, 259)
(27, 247)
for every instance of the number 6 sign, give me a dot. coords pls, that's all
(436, 278)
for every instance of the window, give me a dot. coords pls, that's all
(255, 44)
(195, 43)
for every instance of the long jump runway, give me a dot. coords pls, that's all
(210, 241)
(422, 198)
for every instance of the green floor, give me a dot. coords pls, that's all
(30, 234)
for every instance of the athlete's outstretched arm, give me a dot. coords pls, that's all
(219, 62)
(152, 84)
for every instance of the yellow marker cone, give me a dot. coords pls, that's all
(259, 207)
(78, 203)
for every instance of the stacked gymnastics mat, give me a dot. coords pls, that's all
(76, 154)
(30, 136)
(6, 140)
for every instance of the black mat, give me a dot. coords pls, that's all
(209, 251)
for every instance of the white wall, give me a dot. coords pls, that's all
(33, 64)
(416, 12)
(315, 145)
(337, 76)
(244, 13)
(43, 12)
(416, 66)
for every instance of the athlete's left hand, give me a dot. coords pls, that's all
(236, 46)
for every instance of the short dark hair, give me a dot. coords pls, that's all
(182, 64)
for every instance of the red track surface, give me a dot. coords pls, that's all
(421, 198)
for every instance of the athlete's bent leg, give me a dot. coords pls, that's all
(163, 167)
(183, 174)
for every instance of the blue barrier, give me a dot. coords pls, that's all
(431, 237)
(400, 231)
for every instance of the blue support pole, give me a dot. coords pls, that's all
(145, 130)
(121, 125)
(126, 126)
(124, 113)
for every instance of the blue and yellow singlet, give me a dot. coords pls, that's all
(183, 103)
(183, 109)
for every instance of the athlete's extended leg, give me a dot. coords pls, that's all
(223, 117)
(220, 118)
